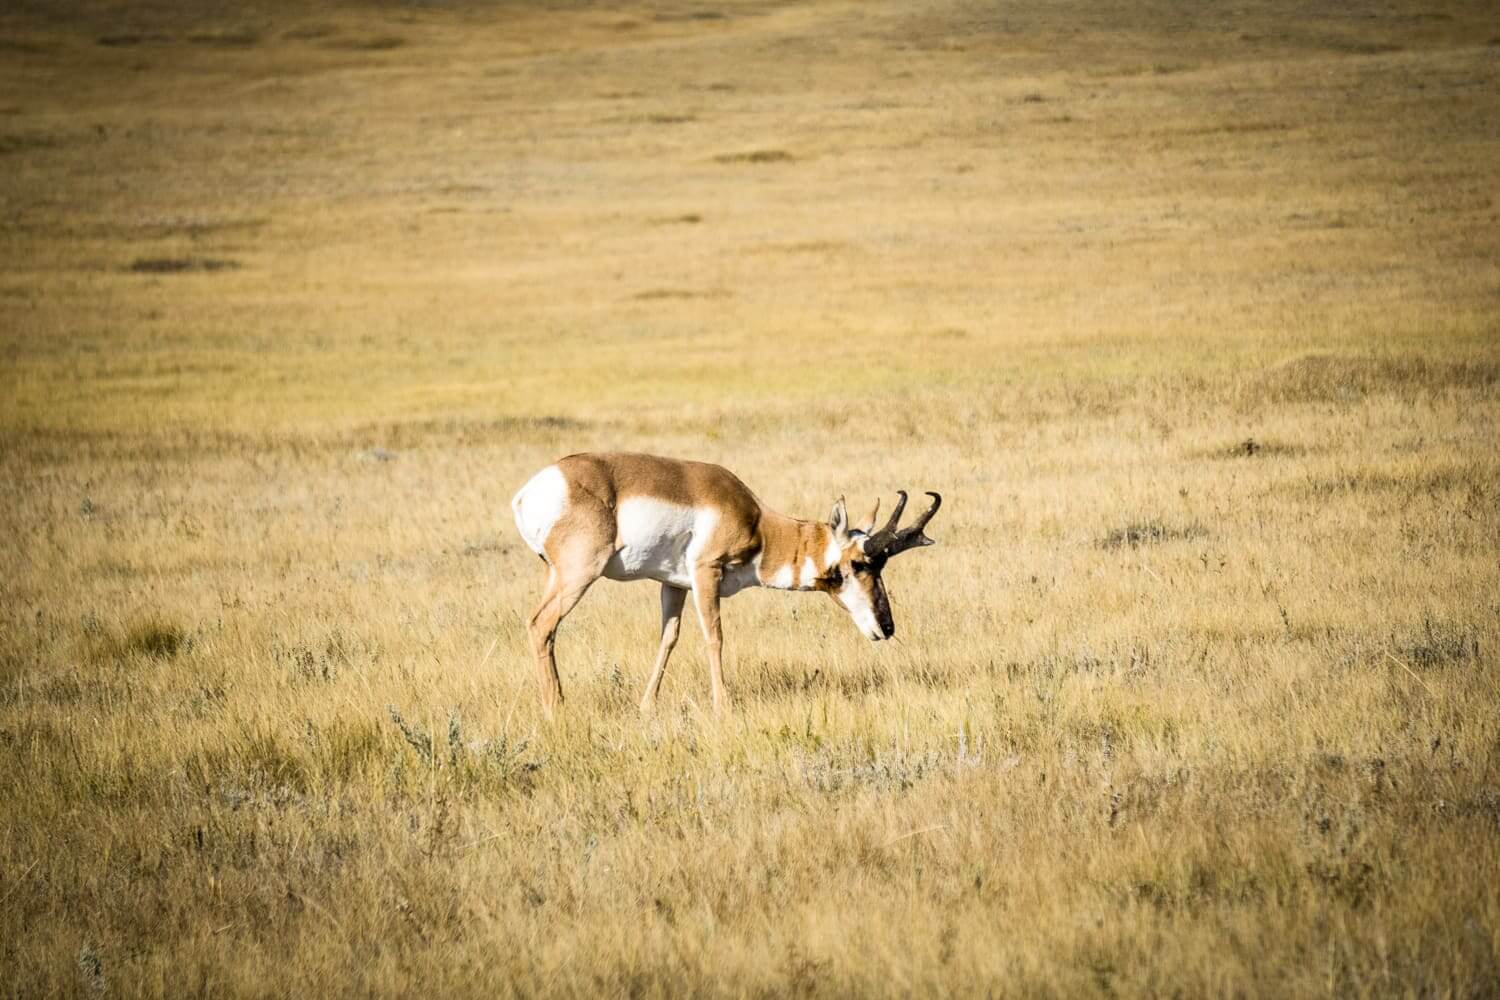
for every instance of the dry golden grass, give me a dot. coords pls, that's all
(1189, 313)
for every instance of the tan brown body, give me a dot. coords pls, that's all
(694, 528)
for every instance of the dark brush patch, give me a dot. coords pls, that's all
(152, 637)
(180, 265)
(1134, 534)
(659, 294)
(128, 39)
(25, 142)
(1252, 447)
(1439, 644)
(1361, 47)
(367, 43)
(691, 15)
(194, 228)
(804, 246)
(758, 156)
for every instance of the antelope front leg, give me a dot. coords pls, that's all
(672, 600)
(706, 602)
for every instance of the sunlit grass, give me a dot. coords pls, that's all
(1189, 317)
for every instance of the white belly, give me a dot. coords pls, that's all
(658, 541)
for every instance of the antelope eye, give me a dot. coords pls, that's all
(860, 567)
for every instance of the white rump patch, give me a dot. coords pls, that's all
(538, 505)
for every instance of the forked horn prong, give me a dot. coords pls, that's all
(892, 540)
(937, 501)
(895, 518)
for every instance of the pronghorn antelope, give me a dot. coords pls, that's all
(693, 527)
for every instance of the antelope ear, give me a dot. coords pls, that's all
(869, 526)
(839, 520)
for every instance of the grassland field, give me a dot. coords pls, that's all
(1188, 310)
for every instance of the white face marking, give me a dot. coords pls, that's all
(832, 553)
(538, 505)
(852, 597)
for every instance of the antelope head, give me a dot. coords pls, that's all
(853, 580)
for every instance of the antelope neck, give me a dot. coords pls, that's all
(794, 554)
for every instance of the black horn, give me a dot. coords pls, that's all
(891, 540)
